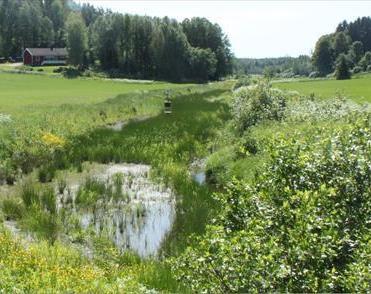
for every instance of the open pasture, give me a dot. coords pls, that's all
(22, 90)
(357, 89)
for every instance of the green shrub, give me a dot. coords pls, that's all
(257, 103)
(71, 73)
(301, 226)
(242, 82)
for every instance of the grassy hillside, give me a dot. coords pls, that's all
(357, 89)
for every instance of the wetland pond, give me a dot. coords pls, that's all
(121, 202)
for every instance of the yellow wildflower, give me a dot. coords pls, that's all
(53, 140)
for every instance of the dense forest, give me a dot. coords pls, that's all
(348, 47)
(128, 45)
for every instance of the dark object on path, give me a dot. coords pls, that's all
(167, 103)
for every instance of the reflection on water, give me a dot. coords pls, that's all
(197, 169)
(200, 177)
(141, 221)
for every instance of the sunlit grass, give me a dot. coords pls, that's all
(357, 89)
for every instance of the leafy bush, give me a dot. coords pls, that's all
(316, 109)
(243, 81)
(71, 72)
(301, 227)
(58, 70)
(257, 103)
(368, 69)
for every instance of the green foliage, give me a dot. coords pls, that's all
(30, 194)
(130, 46)
(351, 39)
(299, 228)
(323, 56)
(356, 51)
(46, 173)
(243, 81)
(202, 64)
(12, 208)
(44, 224)
(342, 71)
(257, 103)
(48, 200)
(280, 66)
(77, 40)
(341, 45)
(366, 60)
(92, 190)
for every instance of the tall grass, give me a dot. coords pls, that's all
(169, 143)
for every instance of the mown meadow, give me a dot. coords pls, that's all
(285, 205)
(358, 88)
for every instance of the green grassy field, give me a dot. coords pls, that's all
(357, 89)
(20, 90)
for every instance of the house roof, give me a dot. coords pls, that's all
(47, 51)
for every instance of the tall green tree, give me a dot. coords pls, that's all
(323, 56)
(342, 71)
(76, 39)
(202, 33)
(57, 16)
(47, 32)
(202, 63)
(104, 42)
(30, 24)
(356, 51)
(340, 43)
(8, 27)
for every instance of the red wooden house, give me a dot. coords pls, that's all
(45, 56)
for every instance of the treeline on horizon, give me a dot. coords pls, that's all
(285, 67)
(120, 44)
(347, 49)
(349, 46)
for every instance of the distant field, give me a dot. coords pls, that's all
(20, 90)
(358, 88)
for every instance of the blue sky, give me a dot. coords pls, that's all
(256, 28)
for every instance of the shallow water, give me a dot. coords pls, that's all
(197, 169)
(139, 222)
